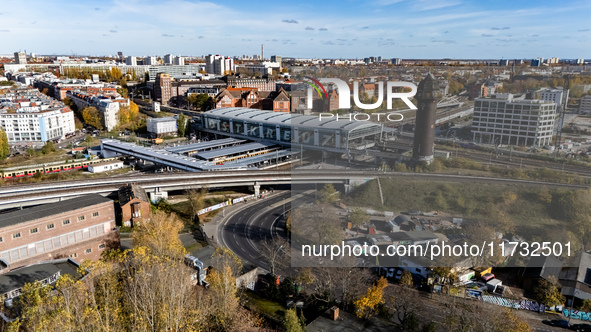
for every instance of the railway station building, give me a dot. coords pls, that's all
(295, 130)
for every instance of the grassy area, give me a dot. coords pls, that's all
(23, 160)
(525, 209)
(267, 308)
(193, 247)
(466, 166)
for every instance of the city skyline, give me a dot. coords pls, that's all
(390, 28)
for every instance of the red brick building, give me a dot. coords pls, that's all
(80, 228)
(276, 101)
(134, 203)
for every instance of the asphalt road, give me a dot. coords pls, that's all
(244, 229)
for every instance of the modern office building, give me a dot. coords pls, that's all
(505, 120)
(80, 228)
(176, 71)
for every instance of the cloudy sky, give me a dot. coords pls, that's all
(331, 29)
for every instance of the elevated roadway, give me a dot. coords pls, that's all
(25, 195)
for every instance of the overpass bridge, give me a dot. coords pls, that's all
(158, 185)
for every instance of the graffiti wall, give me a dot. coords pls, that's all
(576, 314)
(523, 304)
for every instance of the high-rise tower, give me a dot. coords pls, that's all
(428, 94)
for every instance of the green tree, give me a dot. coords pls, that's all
(328, 194)
(48, 148)
(4, 146)
(181, 125)
(358, 217)
(292, 322)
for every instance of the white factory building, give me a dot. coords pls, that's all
(505, 120)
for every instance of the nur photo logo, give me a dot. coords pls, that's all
(344, 93)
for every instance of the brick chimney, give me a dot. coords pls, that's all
(334, 313)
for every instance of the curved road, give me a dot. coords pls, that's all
(244, 229)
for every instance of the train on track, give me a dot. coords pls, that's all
(20, 172)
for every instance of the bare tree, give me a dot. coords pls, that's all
(275, 252)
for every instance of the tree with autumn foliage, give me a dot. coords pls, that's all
(367, 305)
(92, 117)
(548, 293)
(160, 235)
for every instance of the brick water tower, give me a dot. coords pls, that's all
(428, 94)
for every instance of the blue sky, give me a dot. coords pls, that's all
(331, 29)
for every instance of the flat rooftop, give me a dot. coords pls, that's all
(16, 279)
(208, 145)
(233, 150)
(51, 209)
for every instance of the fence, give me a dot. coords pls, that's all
(226, 203)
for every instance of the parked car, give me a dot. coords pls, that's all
(487, 277)
(398, 275)
(390, 273)
(559, 323)
(581, 327)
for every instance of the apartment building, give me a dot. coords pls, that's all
(585, 107)
(20, 58)
(80, 228)
(505, 120)
(162, 88)
(131, 61)
(26, 115)
(219, 65)
(107, 105)
(558, 96)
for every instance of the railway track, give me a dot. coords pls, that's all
(520, 162)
